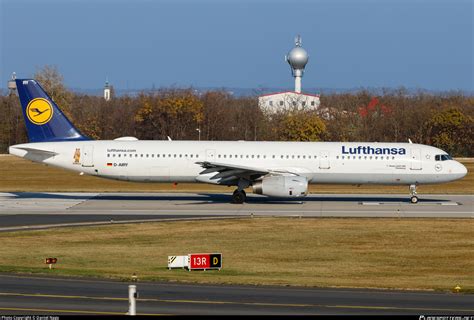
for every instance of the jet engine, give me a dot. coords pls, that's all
(282, 186)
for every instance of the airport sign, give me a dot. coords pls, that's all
(205, 261)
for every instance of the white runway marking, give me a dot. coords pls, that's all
(409, 204)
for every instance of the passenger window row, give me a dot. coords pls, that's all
(442, 157)
(196, 156)
(258, 156)
(365, 157)
(152, 155)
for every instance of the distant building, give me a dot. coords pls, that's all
(297, 58)
(288, 100)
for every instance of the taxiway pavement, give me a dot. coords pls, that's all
(47, 295)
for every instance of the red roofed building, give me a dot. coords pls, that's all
(289, 101)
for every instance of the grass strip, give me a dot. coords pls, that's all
(319, 252)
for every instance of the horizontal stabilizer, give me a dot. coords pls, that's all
(38, 151)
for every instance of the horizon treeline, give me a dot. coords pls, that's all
(443, 120)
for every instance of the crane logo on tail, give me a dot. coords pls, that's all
(39, 111)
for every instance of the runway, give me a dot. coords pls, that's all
(19, 211)
(44, 295)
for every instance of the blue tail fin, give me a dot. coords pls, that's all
(44, 121)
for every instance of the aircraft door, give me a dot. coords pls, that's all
(415, 159)
(88, 156)
(210, 155)
(324, 160)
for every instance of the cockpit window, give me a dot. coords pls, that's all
(443, 157)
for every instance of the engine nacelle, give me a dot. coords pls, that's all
(282, 186)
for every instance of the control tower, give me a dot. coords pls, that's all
(12, 84)
(297, 58)
(107, 91)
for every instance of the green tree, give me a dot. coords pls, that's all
(12, 125)
(302, 126)
(452, 131)
(52, 82)
(174, 113)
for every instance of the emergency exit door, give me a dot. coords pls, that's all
(88, 156)
(210, 154)
(324, 160)
(415, 159)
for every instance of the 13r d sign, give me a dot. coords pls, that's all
(205, 261)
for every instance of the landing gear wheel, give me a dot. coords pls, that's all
(238, 197)
(414, 198)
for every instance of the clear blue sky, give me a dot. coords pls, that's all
(228, 43)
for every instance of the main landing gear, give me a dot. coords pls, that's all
(239, 196)
(414, 198)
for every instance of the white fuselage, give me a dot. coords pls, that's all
(319, 162)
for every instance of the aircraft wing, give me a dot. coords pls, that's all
(231, 173)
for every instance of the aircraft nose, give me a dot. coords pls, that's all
(461, 170)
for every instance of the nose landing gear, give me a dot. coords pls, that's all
(414, 198)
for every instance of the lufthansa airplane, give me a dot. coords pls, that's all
(279, 169)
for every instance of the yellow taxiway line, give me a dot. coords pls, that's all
(75, 311)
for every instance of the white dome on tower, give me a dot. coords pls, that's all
(297, 58)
